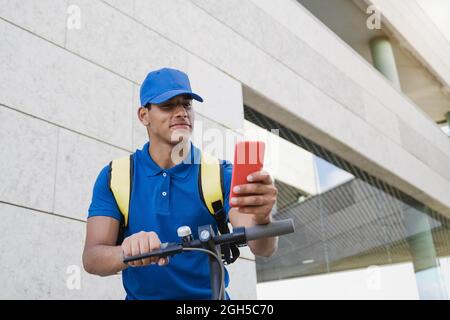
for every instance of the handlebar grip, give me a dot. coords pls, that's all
(275, 228)
(167, 249)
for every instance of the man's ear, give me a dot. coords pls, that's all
(141, 113)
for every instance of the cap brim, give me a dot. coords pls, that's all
(173, 93)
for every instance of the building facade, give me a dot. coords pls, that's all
(368, 96)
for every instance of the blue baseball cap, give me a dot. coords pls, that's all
(164, 84)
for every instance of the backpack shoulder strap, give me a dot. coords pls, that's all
(210, 183)
(121, 182)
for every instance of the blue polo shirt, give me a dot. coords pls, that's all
(161, 201)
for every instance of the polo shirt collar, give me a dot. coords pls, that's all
(180, 170)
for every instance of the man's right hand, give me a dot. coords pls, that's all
(143, 242)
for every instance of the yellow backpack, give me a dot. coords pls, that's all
(210, 189)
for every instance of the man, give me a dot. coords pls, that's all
(164, 197)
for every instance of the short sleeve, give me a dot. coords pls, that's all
(227, 169)
(103, 202)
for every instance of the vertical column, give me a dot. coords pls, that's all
(429, 280)
(384, 60)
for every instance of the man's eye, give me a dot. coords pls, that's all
(187, 105)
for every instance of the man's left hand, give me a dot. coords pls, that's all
(256, 197)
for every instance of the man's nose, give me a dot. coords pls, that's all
(181, 111)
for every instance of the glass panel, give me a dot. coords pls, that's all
(354, 221)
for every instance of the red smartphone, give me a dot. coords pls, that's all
(248, 158)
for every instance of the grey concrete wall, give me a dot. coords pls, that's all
(41, 258)
(68, 103)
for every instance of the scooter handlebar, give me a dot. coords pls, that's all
(273, 229)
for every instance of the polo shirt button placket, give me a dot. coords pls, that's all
(165, 188)
(164, 193)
